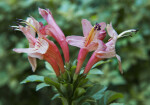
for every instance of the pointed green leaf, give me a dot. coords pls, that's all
(74, 62)
(95, 71)
(109, 96)
(86, 100)
(113, 96)
(100, 63)
(47, 80)
(63, 88)
(55, 96)
(49, 67)
(96, 88)
(99, 94)
(116, 104)
(33, 78)
(64, 101)
(79, 92)
(40, 86)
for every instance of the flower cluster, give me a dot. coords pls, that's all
(93, 41)
(43, 48)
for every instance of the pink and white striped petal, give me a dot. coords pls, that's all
(24, 50)
(36, 55)
(41, 46)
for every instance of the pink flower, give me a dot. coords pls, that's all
(91, 35)
(53, 30)
(40, 47)
(107, 50)
(89, 42)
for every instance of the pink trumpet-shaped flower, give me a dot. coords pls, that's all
(53, 30)
(107, 50)
(89, 42)
(40, 47)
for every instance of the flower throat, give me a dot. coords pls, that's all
(92, 33)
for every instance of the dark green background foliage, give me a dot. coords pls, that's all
(124, 14)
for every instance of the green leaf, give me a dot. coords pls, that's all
(47, 80)
(100, 63)
(55, 96)
(98, 95)
(109, 96)
(74, 62)
(113, 96)
(66, 76)
(66, 89)
(64, 101)
(116, 104)
(79, 92)
(86, 100)
(33, 78)
(95, 71)
(96, 88)
(86, 103)
(49, 67)
(63, 88)
(40, 86)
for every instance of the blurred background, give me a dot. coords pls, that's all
(134, 51)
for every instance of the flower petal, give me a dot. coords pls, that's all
(36, 55)
(41, 46)
(34, 23)
(111, 44)
(101, 46)
(24, 50)
(103, 25)
(77, 41)
(29, 35)
(105, 54)
(30, 29)
(32, 63)
(92, 46)
(119, 62)
(56, 33)
(111, 31)
(86, 26)
(53, 27)
(47, 15)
